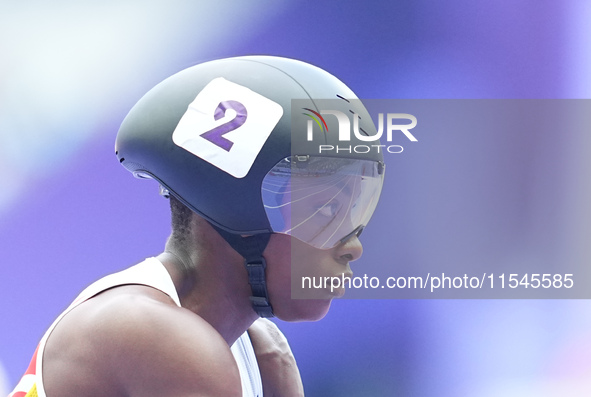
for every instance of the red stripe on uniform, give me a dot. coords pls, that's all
(33, 365)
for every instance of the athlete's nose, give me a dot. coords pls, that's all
(350, 250)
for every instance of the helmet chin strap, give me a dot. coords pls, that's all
(251, 248)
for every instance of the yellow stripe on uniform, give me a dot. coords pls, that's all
(32, 392)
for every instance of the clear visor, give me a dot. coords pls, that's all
(321, 201)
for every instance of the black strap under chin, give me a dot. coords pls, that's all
(251, 248)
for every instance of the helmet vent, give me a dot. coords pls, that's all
(343, 98)
(360, 129)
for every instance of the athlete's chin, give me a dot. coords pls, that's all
(305, 310)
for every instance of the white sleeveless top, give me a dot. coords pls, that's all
(151, 273)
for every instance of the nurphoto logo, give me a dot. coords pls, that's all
(394, 123)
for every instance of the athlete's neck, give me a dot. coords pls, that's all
(212, 282)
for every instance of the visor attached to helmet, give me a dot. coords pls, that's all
(322, 201)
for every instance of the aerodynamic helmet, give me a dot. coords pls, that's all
(246, 143)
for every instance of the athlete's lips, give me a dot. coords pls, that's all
(343, 280)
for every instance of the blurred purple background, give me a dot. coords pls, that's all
(69, 213)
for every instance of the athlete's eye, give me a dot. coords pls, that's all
(330, 209)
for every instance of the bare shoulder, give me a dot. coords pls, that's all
(133, 341)
(279, 371)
